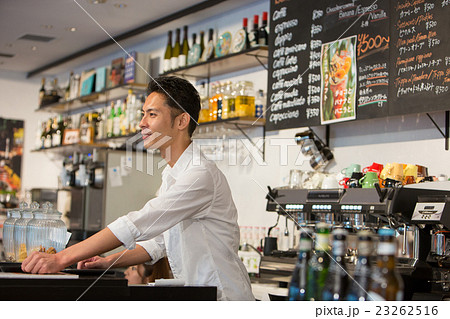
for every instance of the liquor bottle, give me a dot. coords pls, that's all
(245, 28)
(110, 121)
(131, 112)
(232, 101)
(359, 286)
(167, 64)
(116, 119)
(318, 263)
(58, 131)
(42, 91)
(263, 36)
(254, 33)
(260, 104)
(204, 110)
(226, 95)
(297, 286)
(213, 103)
(124, 119)
(48, 134)
(210, 46)
(219, 97)
(175, 51)
(67, 92)
(336, 283)
(386, 283)
(202, 42)
(182, 58)
(100, 126)
(55, 88)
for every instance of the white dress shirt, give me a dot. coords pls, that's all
(193, 221)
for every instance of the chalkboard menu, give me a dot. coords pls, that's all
(333, 61)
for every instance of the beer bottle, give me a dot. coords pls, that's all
(297, 286)
(318, 263)
(337, 278)
(359, 285)
(386, 283)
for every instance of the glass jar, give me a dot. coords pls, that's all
(20, 230)
(245, 99)
(46, 232)
(8, 234)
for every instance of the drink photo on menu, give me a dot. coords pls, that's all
(338, 74)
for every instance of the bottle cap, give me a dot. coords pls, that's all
(255, 19)
(244, 22)
(265, 15)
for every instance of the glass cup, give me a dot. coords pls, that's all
(295, 178)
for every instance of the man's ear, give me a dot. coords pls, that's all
(184, 121)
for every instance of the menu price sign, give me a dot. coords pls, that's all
(310, 81)
(420, 60)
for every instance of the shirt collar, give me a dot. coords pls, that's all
(181, 164)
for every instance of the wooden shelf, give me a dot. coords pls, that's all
(93, 100)
(226, 64)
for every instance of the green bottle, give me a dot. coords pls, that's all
(168, 54)
(318, 263)
(175, 51)
(182, 58)
(297, 286)
(110, 121)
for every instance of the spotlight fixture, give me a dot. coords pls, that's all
(312, 145)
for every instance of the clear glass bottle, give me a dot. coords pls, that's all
(361, 278)
(213, 103)
(297, 286)
(386, 282)
(318, 263)
(8, 234)
(336, 283)
(20, 230)
(245, 99)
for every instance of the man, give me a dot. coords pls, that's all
(193, 220)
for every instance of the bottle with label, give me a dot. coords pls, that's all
(386, 282)
(245, 99)
(42, 91)
(124, 119)
(167, 64)
(110, 121)
(297, 286)
(176, 51)
(260, 104)
(254, 33)
(226, 95)
(116, 119)
(213, 103)
(209, 50)
(245, 28)
(58, 131)
(55, 89)
(182, 58)
(67, 92)
(219, 97)
(87, 129)
(263, 36)
(318, 263)
(336, 283)
(100, 126)
(48, 134)
(204, 111)
(361, 278)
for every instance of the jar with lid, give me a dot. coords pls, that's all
(245, 99)
(8, 234)
(46, 232)
(20, 230)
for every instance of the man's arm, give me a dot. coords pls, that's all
(99, 243)
(121, 259)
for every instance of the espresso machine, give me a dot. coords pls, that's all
(420, 214)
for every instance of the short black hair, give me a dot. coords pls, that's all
(180, 95)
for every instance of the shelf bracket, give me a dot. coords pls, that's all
(447, 130)
(263, 151)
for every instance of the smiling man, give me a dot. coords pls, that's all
(192, 221)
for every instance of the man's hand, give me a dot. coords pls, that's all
(42, 263)
(94, 263)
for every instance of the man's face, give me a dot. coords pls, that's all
(156, 124)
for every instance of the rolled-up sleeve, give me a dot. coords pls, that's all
(190, 197)
(155, 248)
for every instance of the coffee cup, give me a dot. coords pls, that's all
(369, 180)
(392, 171)
(350, 169)
(422, 171)
(375, 167)
(409, 180)
(270, 244)
(353, 182)
(330, 182)
(389, 182)
(343, 182)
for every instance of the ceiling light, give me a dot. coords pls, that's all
(71, 29)
(97, 1)
(120, 5)
(47, 26)
(33, 48)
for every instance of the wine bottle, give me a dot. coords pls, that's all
(182, 58)
(263, 36)
(210, 47)
(361, 278)
(386, 283)
(254, 33)
(202, 42)
(110, 121)
(168, 54)
(297, 286)
(55, 90)
(57, 132)
(176, 50)
(318, 263)
(42, 91)
(48, 134)
(116, 119)
(336, 283)
(245, 28)
(67, 92)
(194, 39)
